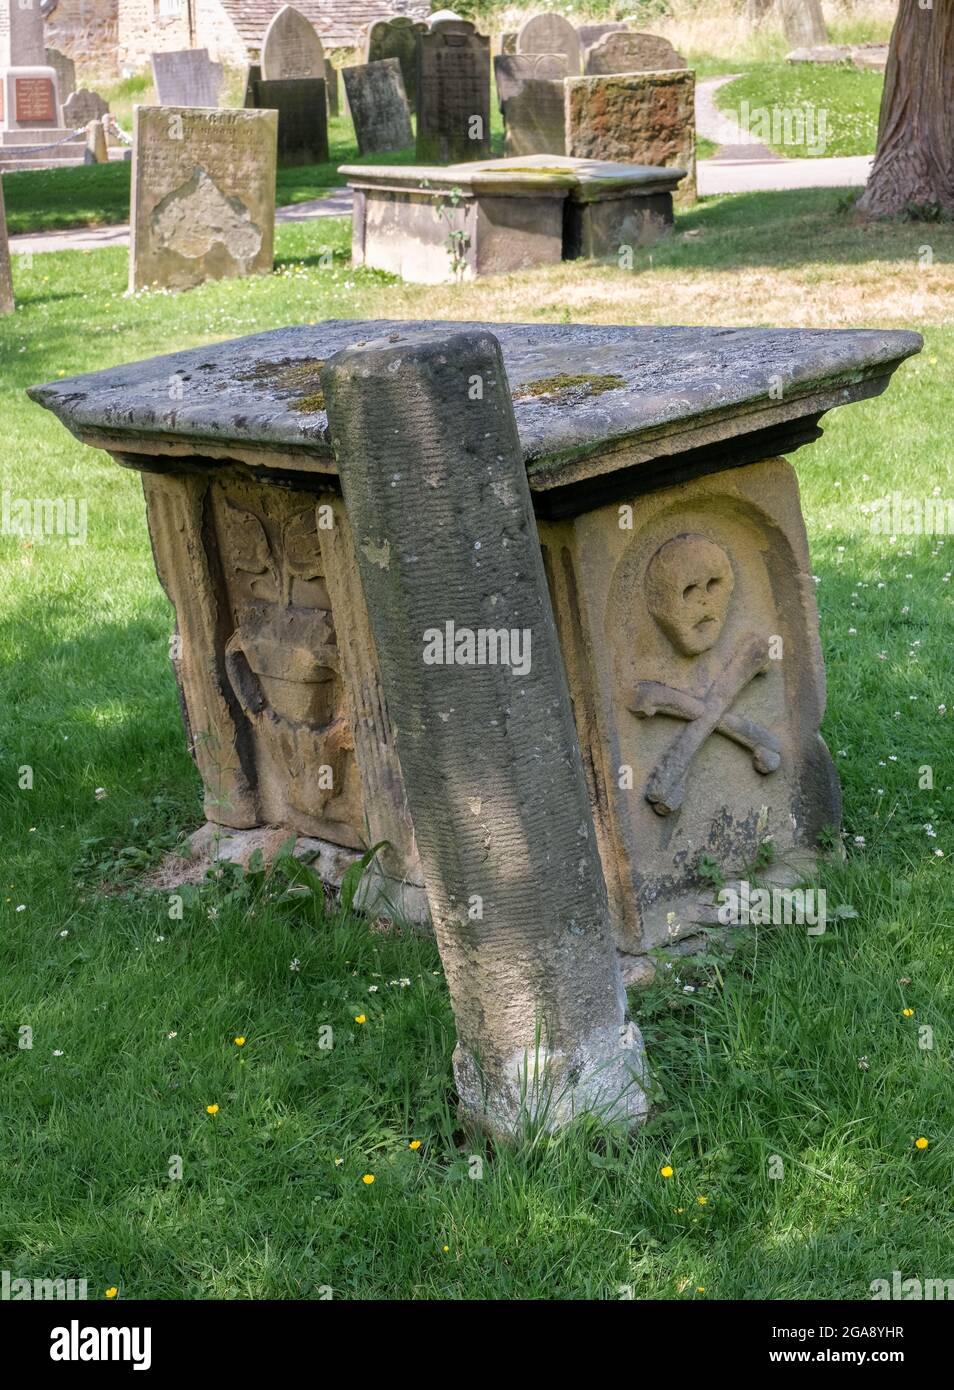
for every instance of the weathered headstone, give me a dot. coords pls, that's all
(551, 33)
(396, 38)
(453, 93)
(186, 77)
(7, 304)
(84, 106)
(636, 118)
(592, 33)
(803, 22)
(378, 104)
(542, 1026)
(530, 89)
(629, 52)
(203, 195)
(302, 106)
(291, 47)
(65, 70)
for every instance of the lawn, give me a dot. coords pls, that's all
(789, 1087)
(846, 99)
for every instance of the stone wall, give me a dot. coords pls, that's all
(142, 31)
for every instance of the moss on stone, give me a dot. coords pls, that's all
(301, 374)
(586, 384)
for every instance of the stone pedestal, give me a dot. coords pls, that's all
(392, 552)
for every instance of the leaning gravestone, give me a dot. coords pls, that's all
(291, 47)
(551, 33)
(84, 106)
(7, 305)
(65, 70)
(628, 52)
(186, 77)
(803, 22)
(302, 106)
(530, 89)
(635, 118)
(379, 109)
(453, 93)
(203, 195)
(396, 38)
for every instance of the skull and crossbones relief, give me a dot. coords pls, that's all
(689, 584)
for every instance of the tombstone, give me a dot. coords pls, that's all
(331, 87)
(629, 52)
(7, 304)
(637, 118)
(186, 77)
(291, 47)
(443, 16)
(84, 106)
(580, 571)
(302, 106)
(65, 70)
(803, 22)
(453, 93)
(30, 109)
(530, 90)
(590, 34)
(203, 195)
(396, 38)
(378, 104)
(551, 33)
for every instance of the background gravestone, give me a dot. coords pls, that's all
(628, 52)
(302, 106)
(592, 33)
(379, 109)
(6, 278)
(551, 33)
(65, 70)
(396, 38)
(203, 195)
(803, 22)
(84, 106)
(186, 77)
(530, 89)
(453, 94)
(291, 47)
(635, 118)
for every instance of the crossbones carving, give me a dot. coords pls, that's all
(689, 583)
(667, 783)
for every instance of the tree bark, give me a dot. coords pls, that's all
(914, 164)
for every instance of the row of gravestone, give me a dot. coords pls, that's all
(593, 49)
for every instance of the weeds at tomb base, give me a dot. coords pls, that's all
(248, 1094)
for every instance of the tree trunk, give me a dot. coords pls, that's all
(914, 164)
(803, 22)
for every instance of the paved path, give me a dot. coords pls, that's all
(337, 203)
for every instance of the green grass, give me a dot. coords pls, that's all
(849, 98)
(761, 1061)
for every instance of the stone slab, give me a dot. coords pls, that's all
(203, 195)
(379, 107)
(302, 107)
(530, 91)
(662, 399)
(637, 118)
(186, 77)
(453, 93)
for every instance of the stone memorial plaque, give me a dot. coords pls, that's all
(186, 78)
(396, 38)
(379, 109)
(34, 100)
(302, 109)
(6, 279)
(628, 52)
(65, 70)
(291, 47)
(551, 33)
(203, 195)
(453, 93)
(84, 106)
(530, 89)
(635, 118)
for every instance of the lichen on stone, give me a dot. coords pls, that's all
(569, 388)
(299, 376)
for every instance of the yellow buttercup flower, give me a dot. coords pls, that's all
(111, 1293)
(921, 1143)
(239, 1042)
(211, 1109)
(702, 1201)
(360, 1018)
(907, 1013)
(414, 1144)
(368, 1179)
(445, 1248)
(666, 1171)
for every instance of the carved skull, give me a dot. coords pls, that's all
(689, 583)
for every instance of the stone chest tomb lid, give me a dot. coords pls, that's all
(645, 406)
